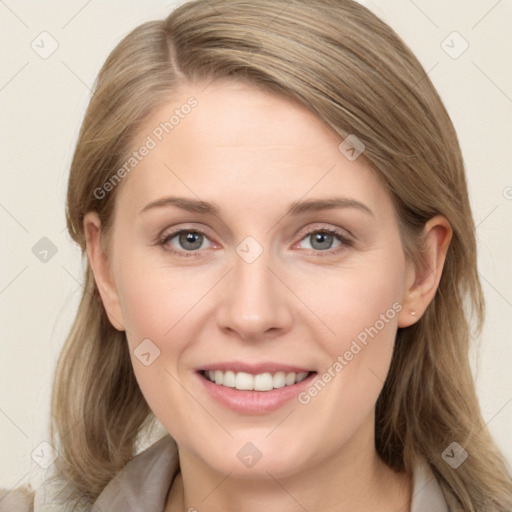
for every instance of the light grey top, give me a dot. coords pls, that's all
(143, 484)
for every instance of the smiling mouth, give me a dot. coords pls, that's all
(243, 381)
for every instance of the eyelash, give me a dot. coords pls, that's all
(345, 241)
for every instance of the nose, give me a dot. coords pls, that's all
(255, 303)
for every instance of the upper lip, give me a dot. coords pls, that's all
(253, 368)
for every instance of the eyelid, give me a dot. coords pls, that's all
(319, 226)
(344, 236)
(167, 235)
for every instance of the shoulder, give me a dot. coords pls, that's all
(143, 484)
(127, 486)
(20, 499)
(46, 498)
(427, 492)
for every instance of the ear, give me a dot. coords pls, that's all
(101, 268)
(423, 279)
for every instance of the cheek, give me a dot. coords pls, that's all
(158, 304)
(361, 308)
(154, 305)
(363, 303)
(153, 299)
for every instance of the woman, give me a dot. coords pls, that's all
(309, 349)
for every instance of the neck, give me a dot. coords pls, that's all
(350, 480)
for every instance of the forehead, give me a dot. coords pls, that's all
(239, 144)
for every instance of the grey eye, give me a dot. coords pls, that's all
(187, 240)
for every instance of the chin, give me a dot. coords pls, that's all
(256, 460)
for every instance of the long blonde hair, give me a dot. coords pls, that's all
(352, 71)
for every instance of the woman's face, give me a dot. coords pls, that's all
(227, 265)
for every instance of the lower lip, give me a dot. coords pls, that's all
(254, 402)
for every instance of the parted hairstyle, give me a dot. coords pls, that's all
(354, 73)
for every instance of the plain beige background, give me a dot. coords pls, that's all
(43, 101)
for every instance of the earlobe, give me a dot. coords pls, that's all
(422, 280)
(101, 268)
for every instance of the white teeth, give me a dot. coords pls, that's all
(301, 376)
(244, 381)
(290, 378)
(229, 379)
(279, 380)
(263, 382)
(260, 382)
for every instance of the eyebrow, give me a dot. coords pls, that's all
(295, 208)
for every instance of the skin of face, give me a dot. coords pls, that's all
(299, 302)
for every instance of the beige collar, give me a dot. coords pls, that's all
(143, 483)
